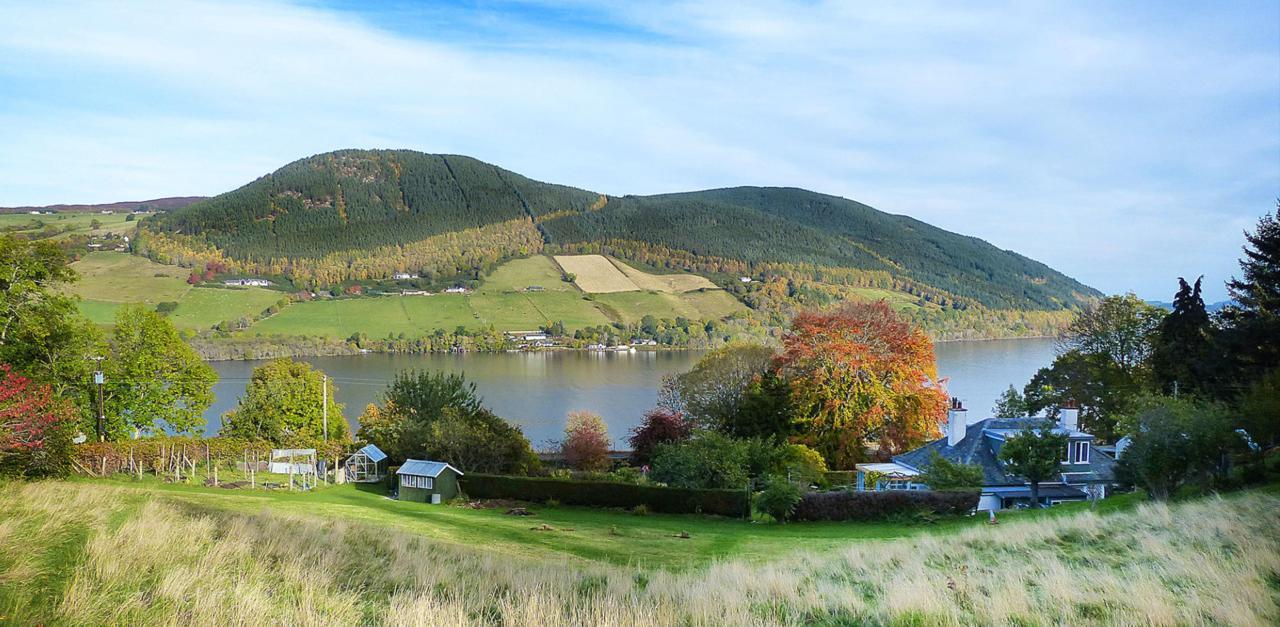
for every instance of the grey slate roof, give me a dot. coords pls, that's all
(976, 448)
(424, 468)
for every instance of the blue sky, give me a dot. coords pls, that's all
(1122, 143)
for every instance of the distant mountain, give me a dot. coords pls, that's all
(355, 214)
(155, 204)
(1209, 307)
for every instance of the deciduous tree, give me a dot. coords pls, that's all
(1035, 454)
(658, 426)
(859, 374)
(154, 379)
(586, 442)
(284, 402)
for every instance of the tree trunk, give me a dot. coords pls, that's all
(1035, 495)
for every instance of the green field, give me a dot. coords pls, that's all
(204, 307)
(518, 274)
(79, 223)
(703, 305)
(146, 552)
(109, 279)
(123, 278)
(375, 317)
(524, 312)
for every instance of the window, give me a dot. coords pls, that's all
(1077, 452)
(414, 481)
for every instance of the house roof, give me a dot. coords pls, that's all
(981, 441)
(374, 453)
(1052, 491)
(424, 468)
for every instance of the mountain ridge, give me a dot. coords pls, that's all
(325, 209)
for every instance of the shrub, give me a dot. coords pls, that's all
(607, 494)
(944, 474)
(586, 442)
(659, 426)
(710, 461)
(869, 506)
(35, 428)
(779, 498)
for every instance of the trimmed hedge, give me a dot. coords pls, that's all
(868, 506)
(735, 503)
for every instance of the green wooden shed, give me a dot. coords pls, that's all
(424, 481)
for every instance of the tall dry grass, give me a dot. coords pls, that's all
(146, 560)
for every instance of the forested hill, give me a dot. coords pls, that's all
(323, 217)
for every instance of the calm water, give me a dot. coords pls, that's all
(536, 390)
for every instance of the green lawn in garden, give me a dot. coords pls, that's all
(612, 536)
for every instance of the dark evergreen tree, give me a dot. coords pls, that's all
(1251, 340)
(1181, 354)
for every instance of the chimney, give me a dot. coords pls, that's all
(1069, 416)
(957, 420)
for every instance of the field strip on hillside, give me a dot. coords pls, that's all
(595, 274)
(674, 283)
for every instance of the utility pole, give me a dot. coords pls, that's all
(324, 406)
(98, 379)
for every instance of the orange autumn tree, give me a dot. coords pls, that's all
(860, 374)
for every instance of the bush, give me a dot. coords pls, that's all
(779, 498)
(659, 426)
(710, 461)
(944, 474)
(870, 506)
(586, 442)
(608, 494)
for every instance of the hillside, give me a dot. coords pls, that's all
(356, 215)
(155, 204)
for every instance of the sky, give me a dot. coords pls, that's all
(1125, 144)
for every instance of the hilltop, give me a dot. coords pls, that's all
(367, 214)
(155, 204)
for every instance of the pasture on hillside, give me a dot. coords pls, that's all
(518, 274)
(123, 278)
(594, 274)
(68, 224)
(706, 305)
(374, 316)
(664, 282)
(530, 311)
(203, 307)
(123, 552)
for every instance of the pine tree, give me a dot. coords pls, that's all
(1181, 352)
(1251, 340)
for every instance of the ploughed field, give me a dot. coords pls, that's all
(118, 552)
(522, 294)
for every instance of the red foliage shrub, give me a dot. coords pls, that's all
(35, 428)
(659, 426)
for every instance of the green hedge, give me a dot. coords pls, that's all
(734, 503)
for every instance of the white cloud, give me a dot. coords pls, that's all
(1146, 138)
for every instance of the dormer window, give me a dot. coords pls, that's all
(1077, 452)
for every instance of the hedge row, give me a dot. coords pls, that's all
(865, 506)
(734, 503)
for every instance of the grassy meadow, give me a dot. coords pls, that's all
(102, 552)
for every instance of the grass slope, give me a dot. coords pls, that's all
(376, 317)
(88, 553)
(123, 278)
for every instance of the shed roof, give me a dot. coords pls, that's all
(374, 453)
(424, 468)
